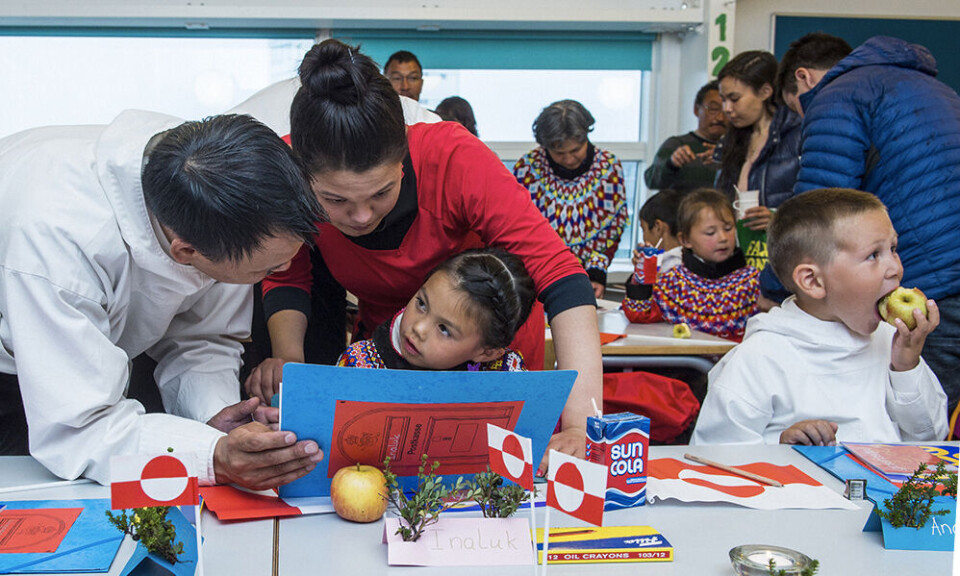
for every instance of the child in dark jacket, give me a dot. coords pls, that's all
(462, 318)
(713, 290)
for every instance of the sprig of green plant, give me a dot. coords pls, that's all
(950, 485)
(424, 506)
(496, 499)
(150, 526)
(808, 571)
(912, 505)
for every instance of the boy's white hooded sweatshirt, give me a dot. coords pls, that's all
(792, 366)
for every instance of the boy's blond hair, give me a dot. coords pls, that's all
(694, 202)
(804, 228)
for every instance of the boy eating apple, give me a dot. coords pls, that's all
(823, 367)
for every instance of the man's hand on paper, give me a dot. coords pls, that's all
(243, 413)
(256, 457)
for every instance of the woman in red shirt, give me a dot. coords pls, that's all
(400, 200)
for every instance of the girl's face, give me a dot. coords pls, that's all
(743, 105)
(436, 330)
(356, 202)
(712, 238)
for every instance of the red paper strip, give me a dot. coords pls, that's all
(229, 503)
(606, 338)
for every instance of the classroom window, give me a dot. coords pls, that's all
(80, 78)
(506, 102)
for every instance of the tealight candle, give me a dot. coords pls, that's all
(755, 559)
(763, 557)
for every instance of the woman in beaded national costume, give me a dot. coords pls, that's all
(577, 186)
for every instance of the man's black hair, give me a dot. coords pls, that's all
(225, 184)
(400, 57)
(704, 90)
(817, 51)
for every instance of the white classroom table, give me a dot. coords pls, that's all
(701, 534)
(650, 344)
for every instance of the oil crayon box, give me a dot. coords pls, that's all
(605, 544)
(620, 442)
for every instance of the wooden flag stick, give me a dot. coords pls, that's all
(197, 512)
(737, 471)
(533, 526)
(546, 540)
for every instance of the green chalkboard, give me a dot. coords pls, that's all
(939, 36)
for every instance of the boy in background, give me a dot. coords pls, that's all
(658, 220)
(822, 367)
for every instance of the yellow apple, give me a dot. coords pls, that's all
(681, 331)
(900, 304)
(359, 493)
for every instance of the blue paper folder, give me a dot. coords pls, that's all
(89, 546)
(936, 534)
(310, 394)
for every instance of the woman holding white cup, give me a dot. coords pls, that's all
(760, 153)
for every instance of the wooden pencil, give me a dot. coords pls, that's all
(737, 471)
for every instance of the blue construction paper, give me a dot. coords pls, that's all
(310, 393)
(837, 461)
(89, 546)
(143, 563)
(936, 534)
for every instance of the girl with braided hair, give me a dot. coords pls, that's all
(462, 318)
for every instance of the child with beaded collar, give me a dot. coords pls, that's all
(713, 290)
(463, 317)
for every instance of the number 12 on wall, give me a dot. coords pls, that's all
(720, 16)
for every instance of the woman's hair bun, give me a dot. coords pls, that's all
(346, 114)
(330, 70)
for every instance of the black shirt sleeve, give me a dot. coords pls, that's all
(567, 292)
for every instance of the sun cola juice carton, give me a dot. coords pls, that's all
(620, 442)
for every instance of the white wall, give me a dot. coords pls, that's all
(754, 18)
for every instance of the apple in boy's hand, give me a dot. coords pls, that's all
(900, 304)
(359, 493)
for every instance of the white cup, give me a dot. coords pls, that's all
(746, 199)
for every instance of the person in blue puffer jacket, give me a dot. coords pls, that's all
(878, 120)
